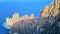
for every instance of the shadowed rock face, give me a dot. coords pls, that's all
(49, 25)
(25, 27)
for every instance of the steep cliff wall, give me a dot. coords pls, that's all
(52, 10)
(49, 23)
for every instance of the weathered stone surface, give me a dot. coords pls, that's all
(51, 10)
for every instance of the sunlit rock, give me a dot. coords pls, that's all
(31, 16)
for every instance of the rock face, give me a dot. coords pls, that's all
(52, 10)
(49, 23)
(16, 18)
(26, 26)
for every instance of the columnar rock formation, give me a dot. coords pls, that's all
(52, 10)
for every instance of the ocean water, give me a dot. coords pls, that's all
(7, 9)
(4, 30)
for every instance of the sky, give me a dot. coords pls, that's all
(9, 7)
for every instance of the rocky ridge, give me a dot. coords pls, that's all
(49, 23)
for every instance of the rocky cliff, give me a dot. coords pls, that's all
(49, 23)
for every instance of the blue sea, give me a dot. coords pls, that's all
(7, 9)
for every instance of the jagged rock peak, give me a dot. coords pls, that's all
(52, 10)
